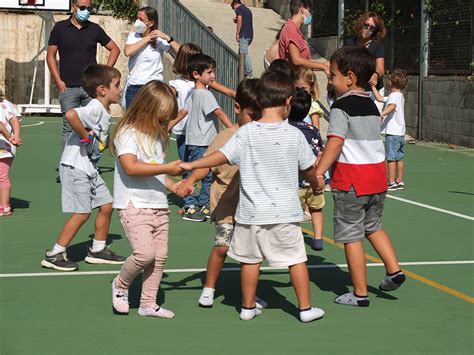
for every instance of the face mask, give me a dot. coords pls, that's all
(308, 20)
(140, 26)
(82, 15)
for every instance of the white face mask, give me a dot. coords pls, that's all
(140, 26)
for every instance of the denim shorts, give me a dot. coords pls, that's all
(394, 147)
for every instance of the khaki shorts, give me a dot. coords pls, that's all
(281, 245)
(307, 197)
(224, 234)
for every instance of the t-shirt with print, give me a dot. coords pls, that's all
(7, 112)
(269, 156)
(290, 33)
(225, 183)
(356, 120)
(95, 117)
(394, 123)
(183, 89)
(147, 64)
(246, 31)
(142, 191)
(202, 124)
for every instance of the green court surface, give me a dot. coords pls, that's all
(430, 222)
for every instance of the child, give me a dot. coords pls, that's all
(224, 189)
(269, 153)
(358, 180)
(393, 116)
(9, 138)
(82, 188)
(201, 129)
(281, 65)
(140, 185)
(306, 79)
(299, 110)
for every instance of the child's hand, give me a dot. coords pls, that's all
(173, 168)
(184, 188)
(186, 166)
(320, 183)
(16, 140)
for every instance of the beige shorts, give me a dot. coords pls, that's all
(281, 245)
(307, 197)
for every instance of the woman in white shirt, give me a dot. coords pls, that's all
(146, 47)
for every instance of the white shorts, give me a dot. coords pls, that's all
(282, 245)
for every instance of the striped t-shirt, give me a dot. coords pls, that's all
(361, 164)
(269, 156)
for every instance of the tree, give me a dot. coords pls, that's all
(122, 9)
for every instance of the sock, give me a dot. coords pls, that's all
(97, 245)
(57, 249)
(310, 314)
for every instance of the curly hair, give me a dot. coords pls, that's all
(399, 79)
(381, 31)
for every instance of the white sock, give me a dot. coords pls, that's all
(97, 245)
(311, 314)
(207, 297)
(57, 249)
(248, 314)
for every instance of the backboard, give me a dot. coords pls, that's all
(36, 5)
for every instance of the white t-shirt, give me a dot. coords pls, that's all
(147, 63)
(269, 156)
(183, 88)
(394, 122)
(142, 191)
(95, 117)
(7, 112)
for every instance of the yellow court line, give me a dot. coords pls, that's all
(414, 276)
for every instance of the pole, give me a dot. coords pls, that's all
(424, 62)
(241, 66)
(48, 24)
(340, 20)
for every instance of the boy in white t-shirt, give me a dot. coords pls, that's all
(269, 153)
(393, 124)
(82, 188)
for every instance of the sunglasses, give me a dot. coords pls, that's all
(370, 27)
(83, 7)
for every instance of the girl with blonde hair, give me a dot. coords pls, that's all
(306, 79)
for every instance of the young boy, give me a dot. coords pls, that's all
(299, 110)
(356, 153)
(269, 153)
(393, 116)
(82, 188)
(204, 115)
(224, 189)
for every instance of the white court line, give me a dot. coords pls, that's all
(327, 266)
(431, 207)
(33, 124)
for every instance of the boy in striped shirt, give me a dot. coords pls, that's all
(356, 152)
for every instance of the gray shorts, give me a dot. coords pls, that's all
(224, 234)
(81, 193)
(356, 217)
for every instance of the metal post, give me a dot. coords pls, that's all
(424, 62)
(241, 66)
(366, 5)
(340, 19)
(48, 22)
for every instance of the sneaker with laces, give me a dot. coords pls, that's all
(105, 256)
(119, 300)
(155, 311)
(206, 211)
(392, 282)
(58, 262)
(400, 185)
(193, 214)
(392, 186)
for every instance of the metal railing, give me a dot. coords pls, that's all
(180, 23)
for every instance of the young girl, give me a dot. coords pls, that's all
(306, 79)
(140, 185)
(9, 139)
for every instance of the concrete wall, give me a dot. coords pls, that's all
(325, 46)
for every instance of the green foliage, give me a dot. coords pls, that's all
(122, 9)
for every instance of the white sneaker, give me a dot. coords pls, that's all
(311, 315)
(155, 311)
(119, 299)
(207, 297)
(248, 314)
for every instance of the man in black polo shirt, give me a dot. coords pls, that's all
(244, 33)
(76, 40)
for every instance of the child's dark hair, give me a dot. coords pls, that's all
(356, 59)
(246, 97)
(399, 79)
(281, 65)
(200, 62)
(300, 105)
(96, 75)
(273, 89)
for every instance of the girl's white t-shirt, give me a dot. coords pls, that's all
(147, 63)
(183, 89)
(7, 112)
(142, 191)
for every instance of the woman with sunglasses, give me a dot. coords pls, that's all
(145, 47)
(370, 31)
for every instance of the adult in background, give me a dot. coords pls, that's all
(146, 46)
(76, 41)
(292, 45)
(244, 33)
(370, 31)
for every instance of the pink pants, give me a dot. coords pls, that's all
(147, 231)
(5, 165)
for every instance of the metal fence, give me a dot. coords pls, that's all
(179, 22)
